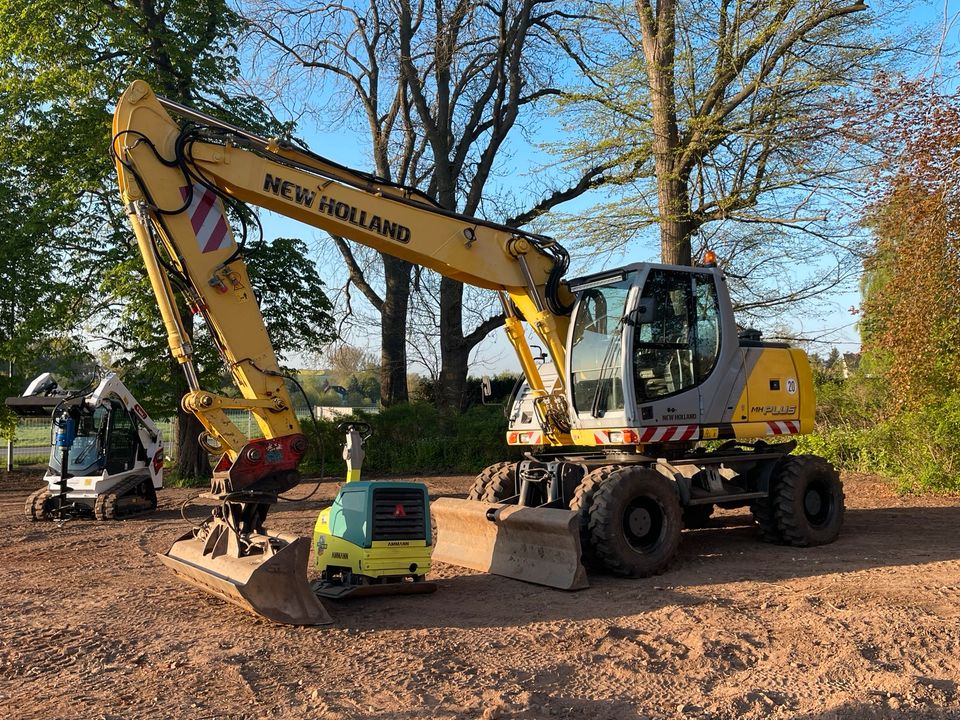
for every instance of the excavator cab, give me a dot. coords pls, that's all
(647, 346)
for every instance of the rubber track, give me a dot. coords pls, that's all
(106, 506)
(479, 487)
(581, 502)
(788, 479)
(33, 508)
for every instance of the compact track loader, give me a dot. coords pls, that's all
(106, 454)
(645, 362)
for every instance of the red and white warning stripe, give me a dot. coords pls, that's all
(670, 433)
(207, 218)
(783, 427)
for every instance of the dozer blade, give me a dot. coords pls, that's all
(275, 588)
(537, 545)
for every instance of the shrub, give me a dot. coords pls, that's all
(419, 438)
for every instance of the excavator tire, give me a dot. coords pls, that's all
(696, 517)
(128, 499)
(503, 484)
(36, 505)
(487, 476)
(766, 521)
(582, 502)
(808, 500)
(635, 522)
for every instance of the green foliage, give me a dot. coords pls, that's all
(419, 438)
(919, 448)
(295, 308)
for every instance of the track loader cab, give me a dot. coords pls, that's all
(106, 440)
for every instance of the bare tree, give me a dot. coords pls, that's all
(442, 85)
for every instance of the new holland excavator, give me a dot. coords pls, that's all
(645, 363)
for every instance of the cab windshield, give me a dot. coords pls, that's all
(595, 353)
(86, 453)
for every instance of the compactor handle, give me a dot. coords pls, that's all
(364, 428)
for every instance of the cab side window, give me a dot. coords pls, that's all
(664, 342)
(707, 327)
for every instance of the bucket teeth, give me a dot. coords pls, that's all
(536, 545)
(274, 587)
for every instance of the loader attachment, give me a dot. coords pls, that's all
(272, 583)
(536, 545)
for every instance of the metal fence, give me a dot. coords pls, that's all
(31, 444)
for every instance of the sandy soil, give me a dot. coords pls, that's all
(92, 626)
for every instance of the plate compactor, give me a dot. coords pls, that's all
(376, 537)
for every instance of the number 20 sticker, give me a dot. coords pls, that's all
(791, 386)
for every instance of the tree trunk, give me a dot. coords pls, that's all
(192, 460)
(673, 192)
(454, 351)
(393, 329)
(676, 222)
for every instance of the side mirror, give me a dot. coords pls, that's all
(646, 311)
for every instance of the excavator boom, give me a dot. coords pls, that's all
(177, 182)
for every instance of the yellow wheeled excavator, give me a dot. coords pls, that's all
(644, 363)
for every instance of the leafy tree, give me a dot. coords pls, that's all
(911, 307)
(441, 87)
(62, 66)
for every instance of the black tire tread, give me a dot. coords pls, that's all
(765, 520)
(603, 518)
(790, 477)
(485, 477)
(582, 501)
(503, 484)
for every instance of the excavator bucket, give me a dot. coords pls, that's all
(275, 588)
(537, 545)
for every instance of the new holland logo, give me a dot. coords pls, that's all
(398, 511)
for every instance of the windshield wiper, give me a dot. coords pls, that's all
(599, 405)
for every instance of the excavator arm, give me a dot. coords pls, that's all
(175, 180)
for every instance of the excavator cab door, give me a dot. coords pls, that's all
(676, 351)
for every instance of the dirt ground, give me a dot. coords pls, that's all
(93, 626)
